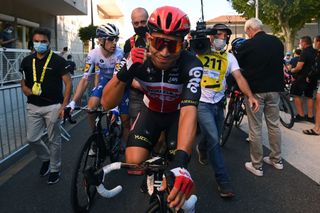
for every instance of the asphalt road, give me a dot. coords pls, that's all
(287, 191)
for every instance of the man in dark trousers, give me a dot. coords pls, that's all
(261, 58)
(44, 73)
(139, 18)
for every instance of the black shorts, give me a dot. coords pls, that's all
(300, 87)
(148, 125)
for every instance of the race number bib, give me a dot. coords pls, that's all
(215, 68)
(36, 89)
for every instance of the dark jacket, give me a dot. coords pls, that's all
(261, 58)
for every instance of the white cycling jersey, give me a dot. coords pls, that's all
(97, 63)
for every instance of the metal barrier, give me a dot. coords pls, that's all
(13, 119)
(10, 60)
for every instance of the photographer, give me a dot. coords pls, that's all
(218, 63)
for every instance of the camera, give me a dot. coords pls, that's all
(200, 43)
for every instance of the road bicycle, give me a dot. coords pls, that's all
(102, 143)
(235, 113)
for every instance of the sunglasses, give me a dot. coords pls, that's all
(159, 44)
(112, 38)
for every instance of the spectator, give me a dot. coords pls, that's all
(211, 105)
(316, 129)
(300, 86)
(71, 66)
(139, 18)
(287, 58)
(64, 52)
(44, 72)
(261, 58)
(7, 38)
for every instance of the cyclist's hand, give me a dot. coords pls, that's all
(254, 104)
(181, 184)
(137, 55)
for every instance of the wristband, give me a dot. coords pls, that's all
(125, 75)
(181, 159)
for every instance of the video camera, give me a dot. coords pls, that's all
(200, 43)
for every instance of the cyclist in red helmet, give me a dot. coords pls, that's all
(170, 79)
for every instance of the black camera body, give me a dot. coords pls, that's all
(200, 43)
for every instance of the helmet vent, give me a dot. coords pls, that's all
(169, 20)
(177, 25)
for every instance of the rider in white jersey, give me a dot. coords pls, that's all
(101, 62)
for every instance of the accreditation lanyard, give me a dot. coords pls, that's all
(44, 68)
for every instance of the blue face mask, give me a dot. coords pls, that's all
(40, 47)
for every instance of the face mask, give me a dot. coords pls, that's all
(219, 44)
(141, 31)
(40, 47)
(9, 31)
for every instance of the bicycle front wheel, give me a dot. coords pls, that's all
(82, 193)
(227, 127)
(286, 112)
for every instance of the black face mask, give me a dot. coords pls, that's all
(141, 31)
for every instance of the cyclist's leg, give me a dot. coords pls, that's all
(124, 115)
(94, 100)
(142, 137)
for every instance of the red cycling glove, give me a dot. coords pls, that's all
(137, 55)
(182, 180)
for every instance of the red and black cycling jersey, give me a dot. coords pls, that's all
(168, 90)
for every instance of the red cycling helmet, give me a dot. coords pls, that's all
(170, 21)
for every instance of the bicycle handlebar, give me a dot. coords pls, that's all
(112, 192)
(108, 193)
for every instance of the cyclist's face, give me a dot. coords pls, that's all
(110, 44)
(164, 49)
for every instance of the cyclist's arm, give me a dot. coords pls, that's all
(96, 79)
(112, 93)
(81, 88)
(187, 128)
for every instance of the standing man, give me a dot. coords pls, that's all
(139, 18)
(261, 58)
(218, 64)
(316, 75)
(44, 73)
(300, 86)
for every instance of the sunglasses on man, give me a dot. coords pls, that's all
(159, 44)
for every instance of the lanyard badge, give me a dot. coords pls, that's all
(36, 88)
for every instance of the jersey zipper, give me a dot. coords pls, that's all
(162, 101)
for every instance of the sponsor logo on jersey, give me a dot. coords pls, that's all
(194, 82)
